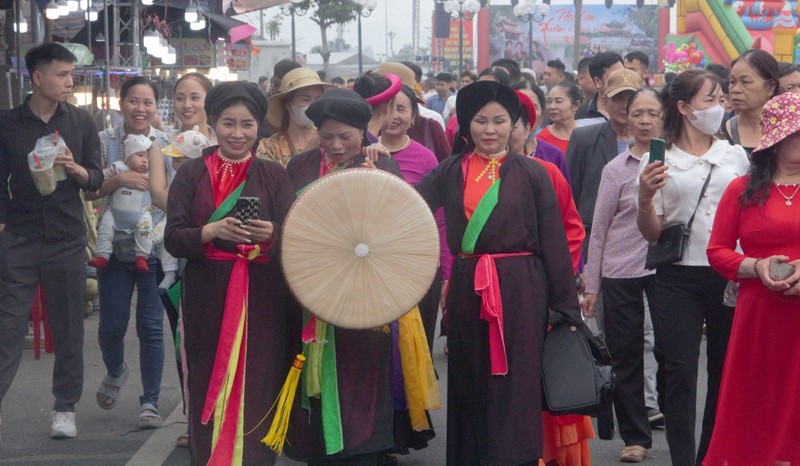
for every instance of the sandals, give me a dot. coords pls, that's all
(633, 454)
(183, 441)
(149, 417)
(108, 391)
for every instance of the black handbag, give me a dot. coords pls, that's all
(673, 239)
(576, 370)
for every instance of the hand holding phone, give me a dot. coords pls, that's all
(246, 209)
(779, 270)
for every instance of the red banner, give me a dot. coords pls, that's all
(445, 52)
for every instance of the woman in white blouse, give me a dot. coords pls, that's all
(689, 293)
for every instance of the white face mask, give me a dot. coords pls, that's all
(708, 121)
(299, 115)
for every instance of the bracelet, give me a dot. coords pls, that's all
(755, 266)
(646, 211)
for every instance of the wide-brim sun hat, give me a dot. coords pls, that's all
(780, 118)
(359, 248)
(298, 78)
(405, 74)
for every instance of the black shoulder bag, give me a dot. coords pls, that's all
(670, 245)
(576, 374)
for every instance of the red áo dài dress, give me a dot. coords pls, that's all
(758, 412)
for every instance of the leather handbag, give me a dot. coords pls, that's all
(576, 371)
(673, 239)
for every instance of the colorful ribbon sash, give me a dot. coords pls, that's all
(225, 397)
(487, 283)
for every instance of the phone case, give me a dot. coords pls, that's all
(246, 209)
(779, 270)
(656, 150)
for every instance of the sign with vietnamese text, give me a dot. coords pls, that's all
(445, 52)
(239, 57)
(194, 53)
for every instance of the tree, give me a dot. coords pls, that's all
(274, 26)
(328, 13)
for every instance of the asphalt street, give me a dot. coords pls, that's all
(111, 437)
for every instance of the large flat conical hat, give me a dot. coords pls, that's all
(360, 248)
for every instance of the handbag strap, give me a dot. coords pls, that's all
(702, 192)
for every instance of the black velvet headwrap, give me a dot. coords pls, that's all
(340, 105)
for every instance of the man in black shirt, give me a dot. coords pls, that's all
(43, 237)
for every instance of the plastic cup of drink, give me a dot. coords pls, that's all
(44, 179)
(59, 172)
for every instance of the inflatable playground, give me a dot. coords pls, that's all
(717, 31)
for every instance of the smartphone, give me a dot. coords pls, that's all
(779, 270)
(657, 147)
(246, 209)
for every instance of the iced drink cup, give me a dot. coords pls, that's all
(44, 179)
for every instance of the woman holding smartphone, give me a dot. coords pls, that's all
(238, 338)
(762, 372)
(616, 265)
(689, 292)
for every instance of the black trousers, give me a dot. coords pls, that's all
(687, 297)
(624, 332)
(60, 267)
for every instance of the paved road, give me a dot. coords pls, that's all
(111, 438)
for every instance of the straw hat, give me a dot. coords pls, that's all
(780, 118)
(405, 74)
(296, 79)
(360, 248)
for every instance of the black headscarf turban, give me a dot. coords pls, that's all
(472, 98)
(340, 105)
(224, 94)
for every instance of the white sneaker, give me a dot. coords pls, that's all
(62, 425)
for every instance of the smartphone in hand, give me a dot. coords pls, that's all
(657, 148)
(246, 209)
(780, 270)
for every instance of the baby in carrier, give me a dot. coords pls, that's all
(128, 210)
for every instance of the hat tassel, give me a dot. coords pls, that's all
(276, 436)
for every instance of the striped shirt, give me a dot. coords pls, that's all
(58, 216)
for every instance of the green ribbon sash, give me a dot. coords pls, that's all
(320, 378)
(479, 217)
(227, 205)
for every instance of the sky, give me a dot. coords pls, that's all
(396, 13)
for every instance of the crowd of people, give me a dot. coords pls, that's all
(548, 197)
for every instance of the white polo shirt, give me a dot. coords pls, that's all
(685, 178)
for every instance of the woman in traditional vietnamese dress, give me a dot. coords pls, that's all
(512, 265)
(240, 340)
(358, 428)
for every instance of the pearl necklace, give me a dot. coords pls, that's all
(788, 198)
(226, 167)
(398, 149)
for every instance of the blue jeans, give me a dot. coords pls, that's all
(116, 289)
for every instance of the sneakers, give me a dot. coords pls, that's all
(62, 425)
(656, 418)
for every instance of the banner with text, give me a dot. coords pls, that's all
(621, 29)
(445, 52)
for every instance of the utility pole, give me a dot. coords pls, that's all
(415, 30)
